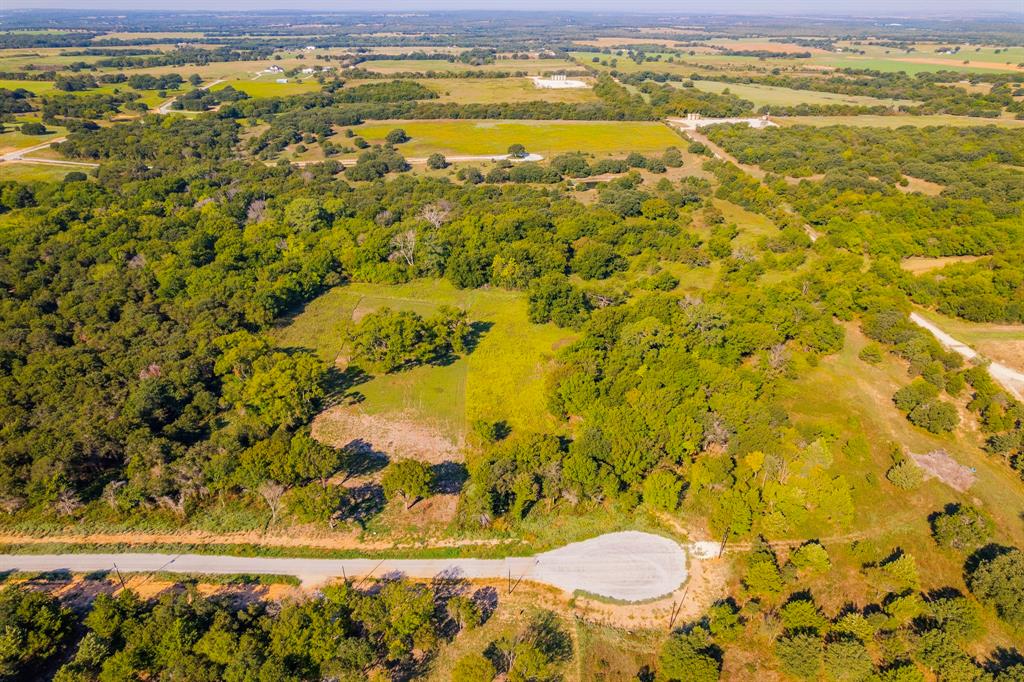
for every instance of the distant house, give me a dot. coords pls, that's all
(309, 70)
(274, 68)
(309, 48)
(281, 80)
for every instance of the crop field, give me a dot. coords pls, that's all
(502, 379)
(465, 137)
(768, 95)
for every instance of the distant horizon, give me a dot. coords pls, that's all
(851, 8)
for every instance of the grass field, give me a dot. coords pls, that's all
(897, 121)
(465, 137)
(502, 379)
(266, 86)
(768, 95)
(530, 66)
(35, 87)
(498, 90)
(919, 264)
(848, 396)
(1003, 343)
(36, 172)
(13, 139)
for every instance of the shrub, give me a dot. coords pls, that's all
(999, 582)
(905, 475)
(961, 527)
(33, 128)
(396, 136)
(437, 161)
(800, 655)
(871, 354)
(847, 659)
(408, 478)
(811, 556)
(662, 489)
(688, 658)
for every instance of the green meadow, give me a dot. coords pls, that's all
(489, 137)
(768, 95)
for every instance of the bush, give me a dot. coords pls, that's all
(473, 668)
(688, 658)
(905, 475)
(811, 556)
(517, 151)
(871, 354)
(470, 175)
(75, 176)
(936, 416)
(847, 659)
(662, 489)
(961, 527)
(33, 128)
(437, 161)
(396, 136)
(800, 655)
(409, 479)
(999, 582)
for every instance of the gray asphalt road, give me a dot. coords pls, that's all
(630, 566)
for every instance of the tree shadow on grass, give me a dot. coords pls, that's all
(362, 459)
(449, 477)
(362, 504)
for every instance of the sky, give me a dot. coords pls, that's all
(782, 7)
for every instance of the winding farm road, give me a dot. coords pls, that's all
(630, 566)
(1008, 378)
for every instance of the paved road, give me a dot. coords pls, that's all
(630, 566)
(19, 155)
(1008, 378)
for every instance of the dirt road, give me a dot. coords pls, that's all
(630, 566)
(1010, 379)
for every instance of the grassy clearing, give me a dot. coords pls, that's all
(542, 137)
(500, 90)
(266, 86)
(607, 653)
(768, 95)
(36, 172)
(529, 66)
(15, 139)
(1003, 343)
(920, 264)
(35, 87)
(898, 121)
(503, 379)
(850, 395)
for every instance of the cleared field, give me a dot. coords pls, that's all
(489, 137)
(768, 95)
(35, 172)
(530, 66)
(14, 139)
(919, 264)
(499, 90)
(35, 87)
(269, 87)
(502, 379)
(898, 121)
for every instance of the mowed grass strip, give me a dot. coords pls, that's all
(529, 66)
(487, 137)
(500, 90)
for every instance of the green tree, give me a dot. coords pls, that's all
(662, 489)
(688, 658)
(999, 582)
(396, 136)
(800, 655)
(961, 527)
(437, 161)
(408, 478)
(847, 659)
(33, 627)
(517, 151)
(473, 668)
(811, 556)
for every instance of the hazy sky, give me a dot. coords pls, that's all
(888, 7)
